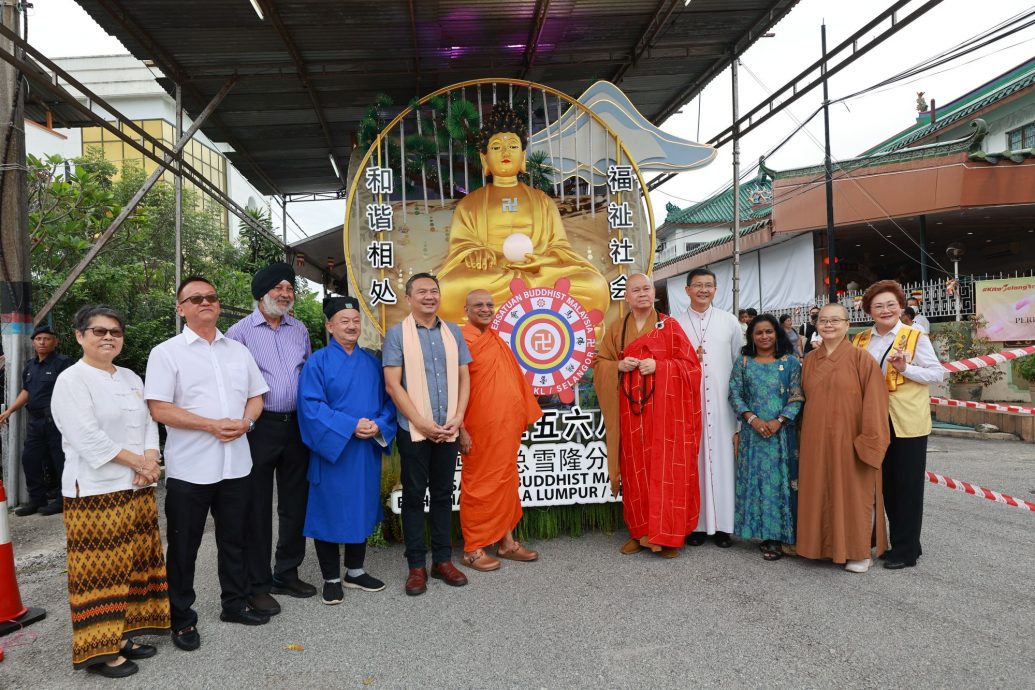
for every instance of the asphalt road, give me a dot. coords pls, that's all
(585, 616)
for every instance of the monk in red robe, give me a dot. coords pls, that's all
(648, 381)
(500, 409)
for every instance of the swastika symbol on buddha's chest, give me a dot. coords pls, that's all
(510, 204)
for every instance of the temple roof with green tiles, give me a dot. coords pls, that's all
(756, 203)
(969, 104)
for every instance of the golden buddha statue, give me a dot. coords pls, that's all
(507, 230)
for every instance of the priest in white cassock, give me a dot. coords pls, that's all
(717, 337)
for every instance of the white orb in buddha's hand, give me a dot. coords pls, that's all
(516, 246)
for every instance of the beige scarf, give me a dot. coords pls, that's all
(417, 378)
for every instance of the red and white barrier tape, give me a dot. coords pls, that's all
(973, 490)
(988, 360)
(995, 407)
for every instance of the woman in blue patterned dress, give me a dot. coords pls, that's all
(765, 392)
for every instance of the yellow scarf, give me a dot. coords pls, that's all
(417, 377)
(905, 339)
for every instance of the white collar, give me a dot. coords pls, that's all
(190, 336)
(894, 330)
(700, 314)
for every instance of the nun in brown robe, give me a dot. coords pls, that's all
(844, 437)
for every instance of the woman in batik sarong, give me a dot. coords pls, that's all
(116, 573)
(765, 392)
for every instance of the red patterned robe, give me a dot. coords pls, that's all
(660, 430)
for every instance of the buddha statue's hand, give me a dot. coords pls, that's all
(534, 262)
(481, 259)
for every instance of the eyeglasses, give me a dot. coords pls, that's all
(102, 332)
(884, 306)
(702, 286)
(198, 299)
(831, 321)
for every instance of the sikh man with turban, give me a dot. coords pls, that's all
(280, 345)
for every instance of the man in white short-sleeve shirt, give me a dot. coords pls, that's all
(207, 390)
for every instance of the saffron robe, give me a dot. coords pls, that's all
(605, 381)
(844, 436)
(720, 335)
(480, 223)
(660, 431)
(335, 390)
(500, 408)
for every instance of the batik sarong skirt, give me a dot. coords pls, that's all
(116, 572)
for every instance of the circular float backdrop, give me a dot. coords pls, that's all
(404, 189)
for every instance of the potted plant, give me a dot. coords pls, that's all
(1026, 370)
(959, 340)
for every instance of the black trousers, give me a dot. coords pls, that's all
(277, 449)
(427, 467)
(328, 554)
(904, 477)
(42, 458)
(187, 507)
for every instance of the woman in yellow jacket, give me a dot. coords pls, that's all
(910, 365)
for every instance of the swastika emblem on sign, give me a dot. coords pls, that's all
(551, 335)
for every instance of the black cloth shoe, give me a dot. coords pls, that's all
(364, 582)
(188, 639)
(144, 651)
(53, 508)
(28, 509)
(333, 593)
(295, 588)
(263, 603)
(895, 564)
(126, 668)
(722, 540)
(696, 538)
(244, 617)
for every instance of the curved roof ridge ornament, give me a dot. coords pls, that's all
(651, 148)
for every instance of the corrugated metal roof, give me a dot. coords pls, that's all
(354, 50)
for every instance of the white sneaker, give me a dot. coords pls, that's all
(858, 566)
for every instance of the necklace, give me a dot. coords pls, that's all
(702, 334)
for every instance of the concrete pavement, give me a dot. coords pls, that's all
(585, 616)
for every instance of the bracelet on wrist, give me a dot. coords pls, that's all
(752, 418)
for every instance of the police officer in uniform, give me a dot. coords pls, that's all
(42, 457)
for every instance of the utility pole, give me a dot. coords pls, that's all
(828, 167)
(736, 187)
(179, 203)
(16, 286)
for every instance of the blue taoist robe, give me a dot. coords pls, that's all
(335, 390)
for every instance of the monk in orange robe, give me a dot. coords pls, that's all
(648, 381)
(500, 409)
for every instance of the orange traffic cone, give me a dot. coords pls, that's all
(13, 614)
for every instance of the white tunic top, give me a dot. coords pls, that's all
(720, 334)
(210, 380)
(925, 367)
(100, 414)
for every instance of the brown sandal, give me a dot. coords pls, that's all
(518, 553)
(479, 560)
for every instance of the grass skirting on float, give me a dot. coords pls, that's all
(537, 523)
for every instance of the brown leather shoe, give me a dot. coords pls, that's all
(417, 581)
(518, 553)
(631, 546)
(668, 552)
(479, 560)
(448, 573)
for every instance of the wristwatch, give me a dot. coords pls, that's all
(251, 425)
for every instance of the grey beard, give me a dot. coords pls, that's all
(274, 309)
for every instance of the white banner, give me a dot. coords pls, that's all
(562, 460)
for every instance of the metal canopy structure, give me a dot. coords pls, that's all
(308, 69)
